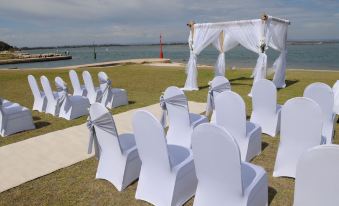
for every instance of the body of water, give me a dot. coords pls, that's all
(322, 56)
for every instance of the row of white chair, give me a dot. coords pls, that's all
(217, 175)
(68, 106)
(14, 118)
(266, 111)
(168, 174)
(108, 96)
(307, 121)
(58, 103)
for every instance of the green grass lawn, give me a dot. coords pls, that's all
(76, 185)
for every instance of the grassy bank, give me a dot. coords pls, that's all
(76, 185)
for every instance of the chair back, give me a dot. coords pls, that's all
(301, 129)
(221, 81)
(231, 113)
(107, 141)
(316, 180)
(75, 82)
(91, 92)
(301, 122)
(34, 86)
(323, 95)
(47, 89)
(151, 143)
(102, 76)
(178, 115)
(264, 97)
(217, 161)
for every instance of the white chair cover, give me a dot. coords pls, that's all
(231, 114)
(317, 182)
(323, 95)
(265, 110)
(93, 94)
(14, 118)
(70, 107)
(181, 122)
(52, 100)
(223, 179)
(111, 97)
(167, 175)
(335, 90)
(301, 123)
(78, 89)
(40, 100)
(217, 85)
(119, 161)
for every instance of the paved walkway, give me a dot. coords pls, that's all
(38, 156)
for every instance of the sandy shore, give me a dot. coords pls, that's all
(157, 62)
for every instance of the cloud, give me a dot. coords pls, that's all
(51, 23)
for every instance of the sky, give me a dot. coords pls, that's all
(32, 23)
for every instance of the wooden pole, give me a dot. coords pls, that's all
(190, 24)
(221, 39)
(264, 17)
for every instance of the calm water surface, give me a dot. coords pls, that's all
(323, 56)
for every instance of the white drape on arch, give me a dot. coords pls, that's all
(227, 44)
(278, 42)
(203, 36)
(255, 35)
(252, 36)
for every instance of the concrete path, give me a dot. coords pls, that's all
(38, 156)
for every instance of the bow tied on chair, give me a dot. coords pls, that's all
(104, 122)
(64, 94)
(108, 87)
(177, 100)
(210, 96)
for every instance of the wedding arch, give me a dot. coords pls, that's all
(256, 35)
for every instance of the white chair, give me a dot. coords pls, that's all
(119, 161)
(40, 100)
(71, 107)
(265, 110)
(93, 93)
(14, 118)
(335, 90)
(181, 122)
(301, 124)
(223, 179)
(317, 182)
(111, 97)
(323, 95)
(217, 85)
(231, 114)
(78, 89)
(52, 100)
(167, 175)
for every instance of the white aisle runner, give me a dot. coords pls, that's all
(38, 156)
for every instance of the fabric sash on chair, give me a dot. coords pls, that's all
(103, 122)
(108, 88)
(64, 93)
(177, 100)
(210, 96)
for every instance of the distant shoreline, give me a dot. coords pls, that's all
(291, 42)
